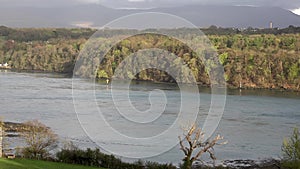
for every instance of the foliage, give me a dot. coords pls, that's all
(1, 122)
(196, 146)
(39, 139)
(223, 58)
(254, 58)
(102, 74)
(213, 30)
(95, 158)
(29, 34)
(291, 151)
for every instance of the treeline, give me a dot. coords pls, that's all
(214, 30)
(260, 61)
(250, 61)
(30, 34)
(45, 34)
(57, 55)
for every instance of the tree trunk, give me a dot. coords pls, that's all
(1, 138)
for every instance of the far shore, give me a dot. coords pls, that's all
(230, 87)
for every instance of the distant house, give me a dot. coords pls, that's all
(10, 156)
(9, 153)
(5, 66)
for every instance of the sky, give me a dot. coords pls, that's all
(293, 5)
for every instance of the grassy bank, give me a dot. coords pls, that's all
(34, 164)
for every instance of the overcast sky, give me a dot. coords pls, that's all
(287, 4)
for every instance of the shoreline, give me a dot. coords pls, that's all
(14, 128)
(268, 163)
(200, 85)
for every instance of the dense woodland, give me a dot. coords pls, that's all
(254, 58)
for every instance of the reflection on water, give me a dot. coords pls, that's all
(254, 122)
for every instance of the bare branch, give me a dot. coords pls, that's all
(39, 139)
(182, 146)
(194, 138)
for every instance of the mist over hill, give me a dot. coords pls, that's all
(97, 16)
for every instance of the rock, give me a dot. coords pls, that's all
(253, 164)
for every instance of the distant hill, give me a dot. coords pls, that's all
(236, 16)
(96, 15)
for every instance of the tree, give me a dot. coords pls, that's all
(39, 139)
(3, 142)
(197, 146)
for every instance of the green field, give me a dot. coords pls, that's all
(34, 164)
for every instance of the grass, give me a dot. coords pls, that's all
(34, 164)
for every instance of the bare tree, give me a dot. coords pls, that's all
(39, 139)
(196, 146)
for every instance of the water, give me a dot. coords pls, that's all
(255, 122)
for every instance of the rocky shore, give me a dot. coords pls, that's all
(11, 127)
(253, 164)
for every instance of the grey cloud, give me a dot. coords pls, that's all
(287, 4)
(45, 3)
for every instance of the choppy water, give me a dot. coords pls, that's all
(254, 122)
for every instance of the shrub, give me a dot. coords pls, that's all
(95, 158)
(291, 151)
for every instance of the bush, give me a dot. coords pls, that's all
(154, 165)
(291, 151)
(95, 158)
